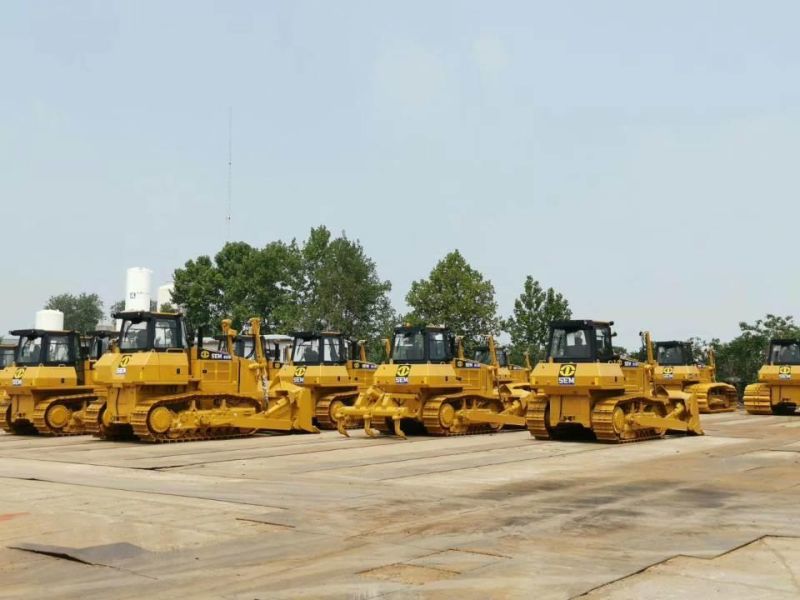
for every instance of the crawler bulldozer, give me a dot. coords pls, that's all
(676, 372)
(583, 386)
(777, 391)
(429, 386)
(50, 385)
(497, 357)
(328, 370)
(161, 388)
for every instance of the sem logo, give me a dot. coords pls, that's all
(18, 374)
(123, 362)
(299, 375)
(401, 375)
(566, 374)
(668, 372)
(785, 372)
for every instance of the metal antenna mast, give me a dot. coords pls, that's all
(230, 174)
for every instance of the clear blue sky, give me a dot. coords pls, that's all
(640, 157)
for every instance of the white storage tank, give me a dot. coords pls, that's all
(49, 320)
(137, 289)
(164, 295)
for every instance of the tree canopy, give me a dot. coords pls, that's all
(324, 283)
(458, 296)
(529, 325)
(81, 312)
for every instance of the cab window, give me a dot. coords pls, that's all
(306, 351)
(438, 346)
(570, 343)
(165, 334)
(785, 354)
(603, 342)
(29, 351)
(331, 350)
(409, 345)
(134, 336)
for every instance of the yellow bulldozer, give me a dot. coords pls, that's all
(584, 386)
(678, 373)
(161, 388)
(429, 386)
(777, 391)
(497, 356)
(50, 384)
(327, 368)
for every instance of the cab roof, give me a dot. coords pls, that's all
(315, 334)
(39, 332)
(142, 314)
(400, 328)
(578, 323)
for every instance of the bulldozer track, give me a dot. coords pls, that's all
(92, 423)
(142, 431)
(322, 410)
(758, 402)
(24, 428)
(536, 419)
(433, 424)
(713, 399)
(73, 402)
(603, 424)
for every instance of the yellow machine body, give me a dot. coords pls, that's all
(170, 392)
(327, 385)
(675, 372)
(777, 391)
(47, 393)
(585, 387)
(438, 391)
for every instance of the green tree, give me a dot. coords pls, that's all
(343, 291)
(529, 325)
(739, 360)
(81, 313)
(456, 295)
(198, 289)
(118, 306)
(325, 283)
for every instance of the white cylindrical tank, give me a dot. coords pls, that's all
(137, 288)
(49, 320)
(164, 295)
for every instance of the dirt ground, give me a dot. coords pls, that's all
(488, 516)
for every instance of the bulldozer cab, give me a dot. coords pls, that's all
(47, 348)
(417, 345)
(7, 355)
(243, 345)
(54, 349)
(484, 355)
(674, 354)
(95, 344)
(580, 341)
(326, 348)
(151, 332)
(784, 352)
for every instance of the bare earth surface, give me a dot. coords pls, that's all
(489, 516)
